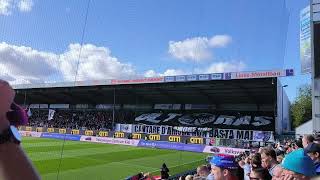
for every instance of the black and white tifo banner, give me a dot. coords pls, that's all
(197, 131)
(219, 120)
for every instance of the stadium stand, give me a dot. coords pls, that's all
(240, 111)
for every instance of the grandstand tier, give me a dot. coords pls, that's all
(247, 104)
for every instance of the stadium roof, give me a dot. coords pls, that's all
(165, 79)
(245, 91)
(257, 88)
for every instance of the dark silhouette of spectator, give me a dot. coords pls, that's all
(164, 171)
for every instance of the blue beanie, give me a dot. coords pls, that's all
(226, 162)
(299, 162)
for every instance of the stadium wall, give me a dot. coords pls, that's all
(200, 148)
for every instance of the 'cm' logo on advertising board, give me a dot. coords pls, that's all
(195, 140)
(62, 131)
(50, 130)
(88, 133)
(174, 138)
(28, 128)
(119, 135)
(75, 131)
(103, 133)
(136, 136)
(154, 137)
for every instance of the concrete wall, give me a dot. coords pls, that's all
(283, 119)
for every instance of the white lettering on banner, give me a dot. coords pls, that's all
(200, 119)
(203, 77)
(242, 121)
(149, 117)
(171, 116)
(30, 133)
(192, 77)
(261, 121)
(261, 74)
(224, 150)
(169, 79)
(216, 76)
(197, 119)
(108, 140)
(204, 132)
(180, 78)
(136, 81)
(185, 129)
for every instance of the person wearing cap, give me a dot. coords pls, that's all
(14, 164)
(224, 168)
(297, 165)
(313, 151)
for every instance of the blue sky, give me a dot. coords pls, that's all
(41, 39)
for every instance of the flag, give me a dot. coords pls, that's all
(29, 112)
(51, 114)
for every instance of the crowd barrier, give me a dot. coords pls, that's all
(200, 148)
(116, 134)
(107, 140)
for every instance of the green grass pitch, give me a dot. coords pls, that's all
(92, 161)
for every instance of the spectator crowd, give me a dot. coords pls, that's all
(86, 120)
(289, 160)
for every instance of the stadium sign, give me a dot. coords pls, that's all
(62, 131)
(39, 129)
(118, 135)
(88, 133)
(174, 138)
(262, 74)
(305, 40)
(136, 136)
(50, 130)
(138, 81)
(28, 128)
(157, 130)
(75, 131)
(207, 120)
(242, 135)
(171, 145)
(196, 140)
(103, 133)
(108, 140)
(224, 150)
(154, 137)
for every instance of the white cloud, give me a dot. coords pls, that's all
(173, 72)
(197, 49)
(95, 63)
(194, 49)
(220, 41)
(223, 67)
(151, 73)
(219, 67)
(25, 5)
(5, 7)
(20, 64)
(168, 72)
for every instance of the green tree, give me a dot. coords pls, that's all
(301, 108)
